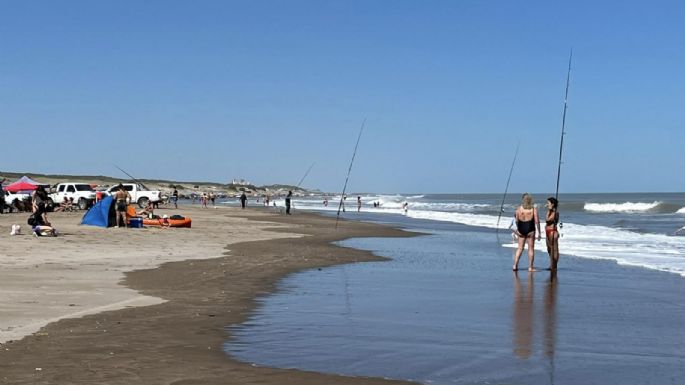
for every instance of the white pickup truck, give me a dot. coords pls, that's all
(138, 194)
(82, 193)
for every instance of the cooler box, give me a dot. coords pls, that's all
(136, 222)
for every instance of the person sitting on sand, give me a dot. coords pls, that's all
(44, 230)
(64, 205)
(527, 221)
(148, 211)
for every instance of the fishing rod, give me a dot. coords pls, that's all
(342, 196)
(563, 124)
(131, 176)
(305, 174)
(506, 189)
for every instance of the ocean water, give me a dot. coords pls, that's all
(633, 229)
(448, 310)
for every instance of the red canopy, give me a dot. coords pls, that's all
(20, 186)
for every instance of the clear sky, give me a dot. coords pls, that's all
(215, 90)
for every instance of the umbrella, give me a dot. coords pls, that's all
(20, 186)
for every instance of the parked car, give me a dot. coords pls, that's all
(138, 193)
(82, 194)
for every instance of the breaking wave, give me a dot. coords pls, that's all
(626, 207)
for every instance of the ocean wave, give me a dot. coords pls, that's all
(654, 251)
(626, 207)
(681, 210)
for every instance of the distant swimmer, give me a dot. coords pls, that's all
(527, 221)
(405, 207)
(325, 202)
(551, 232)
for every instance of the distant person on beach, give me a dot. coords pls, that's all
(174, 197)
(38, 200)
(266, 200)
(243, 200)
(405, 207)
(122, 197)
(2, 197)
(155, 201)
(98, 196)
(287, 202)
(551, 232)
(204, 199)
(359, 204)
(212, 197)
(325, 202)
(527, 221)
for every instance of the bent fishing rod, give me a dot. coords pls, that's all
(305, 174)
(131, 176)
(563, 125)
(506, 188)
(349, 170)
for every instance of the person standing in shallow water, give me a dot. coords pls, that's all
(551, 232)
(359, 204)
(287, 202)
(243, 200)
(527, 221)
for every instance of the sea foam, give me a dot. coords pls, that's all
(626, 207)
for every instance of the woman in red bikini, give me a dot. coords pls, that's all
(551, 232)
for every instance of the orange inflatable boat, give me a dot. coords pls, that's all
(173, 221)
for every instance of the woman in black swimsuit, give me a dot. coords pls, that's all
(527, 221)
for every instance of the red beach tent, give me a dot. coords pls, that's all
(20, 186)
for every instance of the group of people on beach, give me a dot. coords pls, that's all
(527, 227)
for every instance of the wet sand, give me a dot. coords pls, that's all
(151, 306)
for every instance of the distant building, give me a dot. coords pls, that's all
(241, 182)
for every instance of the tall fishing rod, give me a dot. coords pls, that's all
(131, 176)
(342, 196)
(506, 189)
(563, 124)
(305, 174)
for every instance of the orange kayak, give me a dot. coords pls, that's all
(164, 222)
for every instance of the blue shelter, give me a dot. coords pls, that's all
(102, 214)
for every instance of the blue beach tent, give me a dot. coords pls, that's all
(101, 214)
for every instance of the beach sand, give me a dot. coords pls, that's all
(151, 306)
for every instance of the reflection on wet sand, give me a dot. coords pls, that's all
(550, 314)
(524, 315)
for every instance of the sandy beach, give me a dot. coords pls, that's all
(151, 306)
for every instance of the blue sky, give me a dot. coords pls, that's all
(215, 90)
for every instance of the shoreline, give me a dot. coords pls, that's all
(180, 340)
